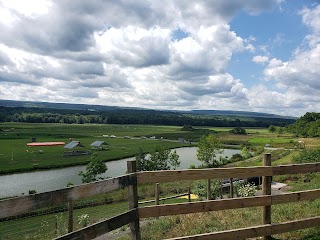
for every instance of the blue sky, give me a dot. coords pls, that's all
(261, 56)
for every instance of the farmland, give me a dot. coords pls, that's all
(15, 156)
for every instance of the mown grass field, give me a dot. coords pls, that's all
(15, 156)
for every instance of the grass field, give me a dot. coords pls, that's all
(15, 156)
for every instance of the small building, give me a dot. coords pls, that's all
(75, 149)
(98, 145)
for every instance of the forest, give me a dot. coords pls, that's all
(133, 116)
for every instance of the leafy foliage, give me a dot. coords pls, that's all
(238, 130)
(200, 188)
(161, 159)
(306, 126)
(308, 156)
(93, 170)
(245, 153)
(208, 148)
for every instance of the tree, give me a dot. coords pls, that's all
(245, 153)
(208, 148)
(161, 159)
(238, 130)
(93, 169)
(272, 128)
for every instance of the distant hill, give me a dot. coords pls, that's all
(239, 113)
(89, 107)
(45, 112)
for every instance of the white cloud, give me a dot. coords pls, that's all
(123, 52)
(300, 75)
(260, 59)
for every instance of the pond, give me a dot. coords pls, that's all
(48, 180)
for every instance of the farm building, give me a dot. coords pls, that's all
(98, 145)
(75, 149)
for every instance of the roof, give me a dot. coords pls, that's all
(35, 144)
(97, 143)
(72, 144)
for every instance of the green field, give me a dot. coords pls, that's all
(15, 155)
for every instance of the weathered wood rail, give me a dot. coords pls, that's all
(20, 205)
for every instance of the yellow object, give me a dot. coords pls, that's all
(192, 196)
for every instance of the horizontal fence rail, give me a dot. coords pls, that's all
(222, 173)
(21, 205)
(101, 227)
(224, 204)
(256, 231)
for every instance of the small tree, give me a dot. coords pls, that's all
(245, 153)
(93, 169)
(208, 148)
(160, 159)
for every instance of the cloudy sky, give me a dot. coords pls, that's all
(253, 55)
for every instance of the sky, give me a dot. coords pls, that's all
(253, 55)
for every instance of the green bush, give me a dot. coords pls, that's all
(200, 188)
(307, 156)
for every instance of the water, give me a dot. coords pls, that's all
(43, 181)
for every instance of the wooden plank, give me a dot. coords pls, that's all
(296, 168)
(256, 231)
(20, 205)
(266, 190)
(296, 196)
(133, 202)
(196, 174)
(100, 228)
(224, 204)
(295, 225)
(234, 234)
(205, 206)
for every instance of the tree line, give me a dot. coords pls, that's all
(131, 116)
(306, 126)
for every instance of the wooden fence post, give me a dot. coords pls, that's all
(157, 193)
(266, 190)
(231, 187)
(189, 194)
(209, 190)
(133, 201)
(70, 216)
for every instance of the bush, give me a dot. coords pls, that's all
(246, 190)
(307, 156)
(200, 188)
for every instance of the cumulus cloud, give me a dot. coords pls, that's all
(126, 52)
(260, 59)
(300, 75)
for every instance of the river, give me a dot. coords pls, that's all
(48, 180)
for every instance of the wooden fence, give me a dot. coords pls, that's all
(20, 205)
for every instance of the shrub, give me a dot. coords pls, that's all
(83, 220)
(307, 156)
(200, 188)
(246, 190)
